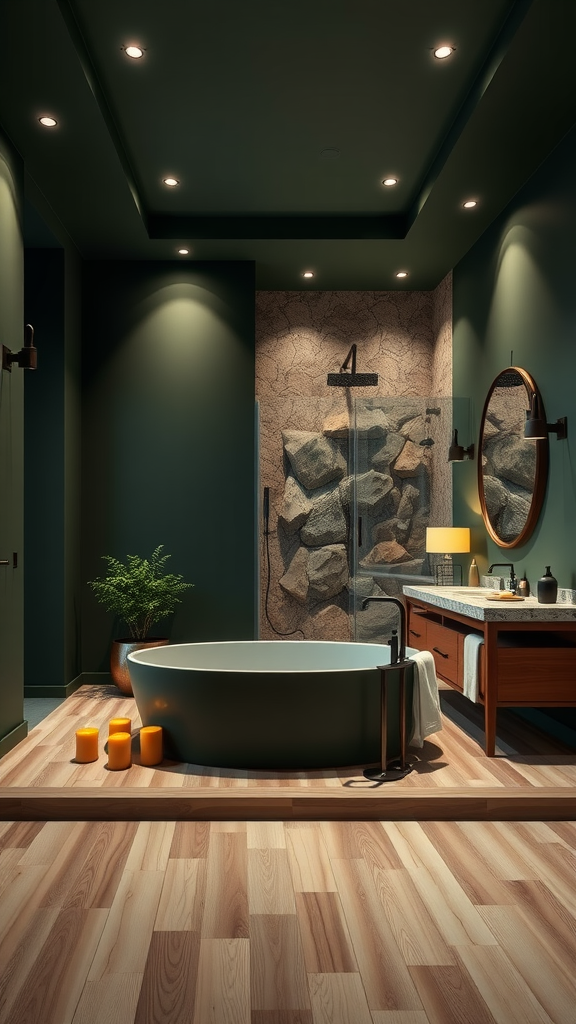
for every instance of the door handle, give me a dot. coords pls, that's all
(4, 561)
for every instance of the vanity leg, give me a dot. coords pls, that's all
(490, 687)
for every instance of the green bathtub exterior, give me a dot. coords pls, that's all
(269, 720)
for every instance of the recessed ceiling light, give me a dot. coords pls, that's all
(441, 52)
(134, 51)
(389, 181)
(48, 122)
(307, 273)
(401, 273)
(171, 182)
(183, 252)
(470, 204)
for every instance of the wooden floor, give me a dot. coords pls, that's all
(532, 778)
(297, 923)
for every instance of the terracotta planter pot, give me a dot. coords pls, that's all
(118, 659)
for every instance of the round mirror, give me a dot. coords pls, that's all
(512, 471)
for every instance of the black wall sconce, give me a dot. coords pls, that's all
(26, 358)
(456, 453)
(536, 428)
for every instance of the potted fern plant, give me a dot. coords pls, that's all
(141, 593)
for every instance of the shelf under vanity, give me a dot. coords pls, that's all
(528, 658)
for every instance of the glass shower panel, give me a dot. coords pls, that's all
(351, 484)
(402, 484)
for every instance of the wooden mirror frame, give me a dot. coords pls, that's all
(541, 471)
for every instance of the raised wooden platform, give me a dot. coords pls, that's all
(532, 778)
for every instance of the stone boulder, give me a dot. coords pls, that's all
(337, 424)
(410, 462)
(371, 422)
(327, 571)
(372, 489)
(326, 523)
(295, 580)
(414, 429)
(296, 506)
(314, 459)
(390, 450)
(330, 623)
(387, 552)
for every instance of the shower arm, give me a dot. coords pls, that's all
(352, 353)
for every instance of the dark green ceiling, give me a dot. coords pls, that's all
(280, 120)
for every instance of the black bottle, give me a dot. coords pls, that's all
(547, 588)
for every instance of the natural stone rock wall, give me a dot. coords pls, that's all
(405, 337)
(318, 504)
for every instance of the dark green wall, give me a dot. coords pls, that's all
(12, 727)
(52, 474)
(168, 438)
(515, 290)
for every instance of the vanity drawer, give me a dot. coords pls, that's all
(418, 632)
(443, 643)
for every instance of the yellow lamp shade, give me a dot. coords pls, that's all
(443, 540)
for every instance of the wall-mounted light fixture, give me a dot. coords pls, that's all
(443, 540)
(456, 453)
(26, 358)
(536, 428)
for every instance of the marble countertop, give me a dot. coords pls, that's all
(471, 601)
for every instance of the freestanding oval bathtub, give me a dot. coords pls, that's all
(268, 704)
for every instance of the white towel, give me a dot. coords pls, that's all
(425, 703)
(472, 643)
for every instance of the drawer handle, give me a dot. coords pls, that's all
(441, 653)
(414, 633)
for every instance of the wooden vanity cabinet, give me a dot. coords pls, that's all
(521, 664)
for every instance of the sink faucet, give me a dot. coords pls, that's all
(397, 645)
(506, 565)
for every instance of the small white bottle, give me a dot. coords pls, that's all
(473, 574)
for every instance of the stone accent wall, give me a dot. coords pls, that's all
(405, 337)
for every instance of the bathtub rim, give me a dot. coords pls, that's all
(143, 657)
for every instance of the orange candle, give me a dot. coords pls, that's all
(86, 745)
(119, 751)
(151, 745)
(120, 725)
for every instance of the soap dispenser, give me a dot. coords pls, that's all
(473, 574)
(524, 587)
(547, 588)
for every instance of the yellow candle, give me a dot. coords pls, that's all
(120, 725)
(151, 744)
(119, 751)
(86, 745)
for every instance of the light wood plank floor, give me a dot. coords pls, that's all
(532, 778)
(264, 922)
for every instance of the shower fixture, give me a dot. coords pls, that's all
(349, 378)
(428, 442)
(26, 358)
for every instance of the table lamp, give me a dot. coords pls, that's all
(447, 540)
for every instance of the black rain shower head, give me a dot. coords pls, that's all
(349, 378)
